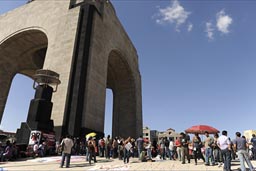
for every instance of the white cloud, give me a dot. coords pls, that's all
(209, 30)
(190, 27)
(175, 13)
(223, 22)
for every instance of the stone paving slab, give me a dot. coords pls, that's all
(79, 163)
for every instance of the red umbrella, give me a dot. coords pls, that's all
(146, 140)
(200, 129)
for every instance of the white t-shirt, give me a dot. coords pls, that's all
(223, 142)
(68, 144)
(35, 147)
(171, 145)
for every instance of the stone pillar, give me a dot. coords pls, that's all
(39, 114)
(5, 84)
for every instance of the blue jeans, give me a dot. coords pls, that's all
(217, 155)
(139, 151)
(209, 154)
(87, 154)
(254, 153)
(67, 156)
(126, 155)
(226, 154)
(169, 152)
(149, 153)
(244, 156)
(163, 153)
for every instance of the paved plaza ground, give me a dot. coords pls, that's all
(79, 163)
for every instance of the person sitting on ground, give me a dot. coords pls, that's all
(36, 149)
(42, 149)
(7, 152)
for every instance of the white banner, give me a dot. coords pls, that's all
(35, 136)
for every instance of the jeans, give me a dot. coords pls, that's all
(217, 155)
(254, 153)
(149, 153)
(178, 150)
(244, 156)
(170, 154)
(107, 152)
(226, 154)
(163, 153)
(102, 151)
(139, 151)
(87, 154)
(126, 155)
(208, 154)
(67, 156)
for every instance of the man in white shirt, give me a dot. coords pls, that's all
(225, 146)
(67, 144)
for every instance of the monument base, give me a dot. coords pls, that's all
(23, 134)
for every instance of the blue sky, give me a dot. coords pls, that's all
(197, 61)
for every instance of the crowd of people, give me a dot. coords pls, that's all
(212, 150)
(9, 151)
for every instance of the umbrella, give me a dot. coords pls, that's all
(200, 129)
(145, 140)
(92, 134)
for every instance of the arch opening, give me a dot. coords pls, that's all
(120, 80)
(21, 92)
(108, 113)
(21, 55)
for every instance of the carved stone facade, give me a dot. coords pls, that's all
(86, 44)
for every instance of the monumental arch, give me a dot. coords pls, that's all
(86, 44)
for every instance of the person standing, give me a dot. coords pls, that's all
(184, 148)
(108, 145)
(253, 143)
(127, 148)
(197, 144)
(225, 147)
(115, 148)
(101, 147)
(67, 144)
(92, 149)
(171, 149)
(120, 148)
(167, 151)
(208, 149)
(162, 148)
(178, 148)
(240, 145)
(216, 151)
(140, 144)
